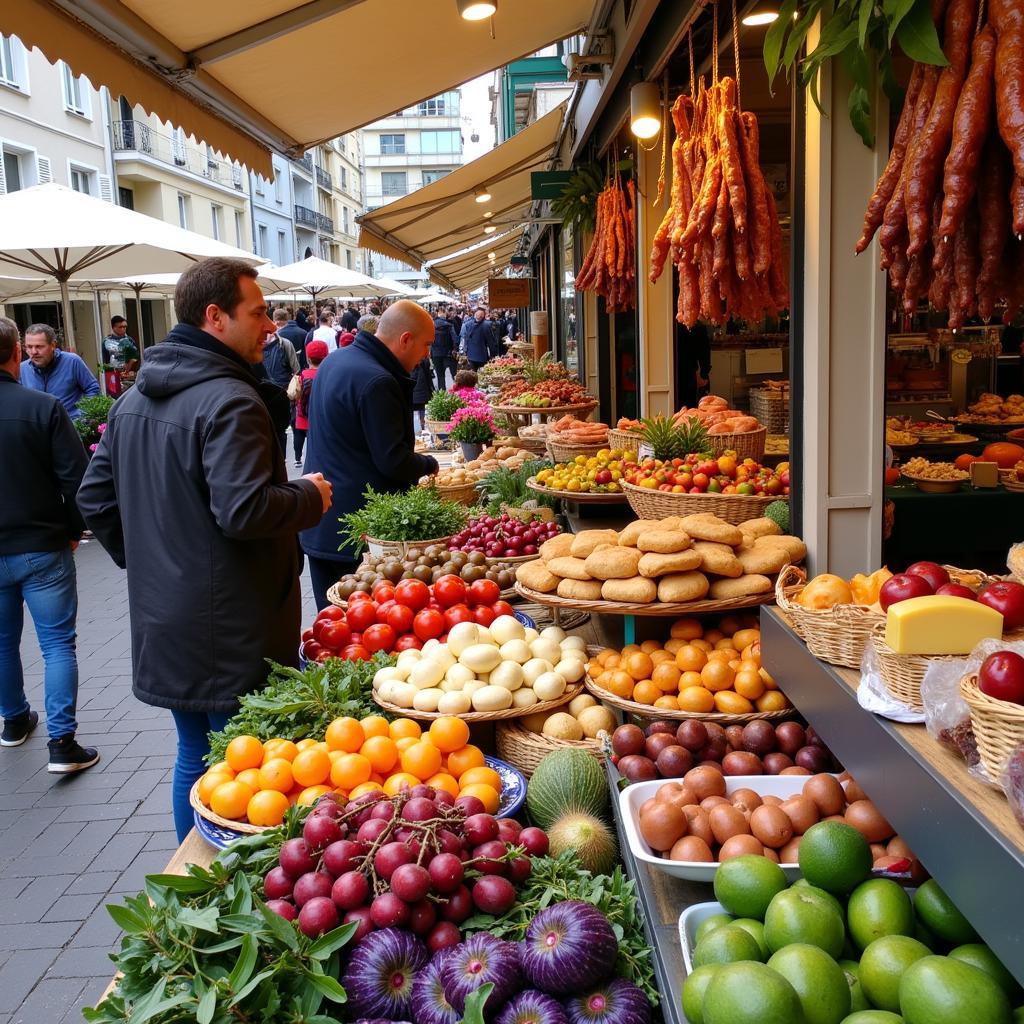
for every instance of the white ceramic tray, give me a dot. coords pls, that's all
(632, 798)
(689, 921)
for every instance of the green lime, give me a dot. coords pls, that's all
(977, 954)
(802, 883)
(801, 915)
(818, 980)
(858, 1001)
(1018, 1015)
(745, 885)
(882, 965)
(694, 988)
(709, 924)
(750, 993)
(923, 934)
(878, 907)
(873, 1017)
(748, 924)
(834, 856)
(941, 990)
(726, 945)
(941, 916)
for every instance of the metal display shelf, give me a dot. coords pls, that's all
(961, 829)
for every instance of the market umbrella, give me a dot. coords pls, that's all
(319, 279)
(389, 287)
(162, 285)
(55, 232)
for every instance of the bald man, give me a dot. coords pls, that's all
(360, 430)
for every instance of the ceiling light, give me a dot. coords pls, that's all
(482, 195)
(491, 256)
(490, 229)
(762, 13)
(476, 10)
(645, 110)
(488, 213)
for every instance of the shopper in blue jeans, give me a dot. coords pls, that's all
(39, 530)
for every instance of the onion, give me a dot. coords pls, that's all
(568, 947)
(429, 1003)
(617, 1002)
(532, 1007)
(380, 972)
(481, 959)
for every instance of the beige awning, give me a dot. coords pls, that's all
(468, 270)
(245, 75)
(444, 216)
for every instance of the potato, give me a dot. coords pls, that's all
(581, 703)
(562, 726)
(492, 698)
(549, 685)
(427, 700)
(595, 720)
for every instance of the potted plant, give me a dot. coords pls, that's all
(93, 421)
(440, 408)
(393, 523)
(472, 427)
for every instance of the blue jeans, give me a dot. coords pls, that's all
(193, 746)
(45, 581)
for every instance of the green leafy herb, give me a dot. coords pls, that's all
(442, 405)
(94, 411)
(416, 514)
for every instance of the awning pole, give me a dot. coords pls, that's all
(69, 328)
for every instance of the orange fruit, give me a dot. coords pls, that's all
(277, 774)
(645, 692)
(730, 624)
(223, 767)
(349, 771)
(604, 655)
(333, 755)
(666, 677)
(673, 645)
(690, 679)
(279, 748)
(208, 783)
(422, 759)
(311, 767)
(726, 644)
(345, 734)
(311, 794)
(400, 728)
(718, 654)
(650, 646)
(730, 703)
(487, 795)
(743, 638)
(768, 679)
(381, 752)
(376, 777)
(460, 761)
(266, 808)
(614, 661)
(394, 784)
(691, 658)
(696, 698)
(230, 799)
(716, 675)
(668, 702)
(619, 683)
(244, 752)
(425, 738)
(375, 725)
(628, 650)
(686, 629)
(251, 777)
(272, 744)
(366, 787)
(404, 743)
(449, 733)
(447, 783)
(772, 700)
(748, 683)
(703, 645)
(486, 775)
(713, 636)
(639, 665)
(305, 744)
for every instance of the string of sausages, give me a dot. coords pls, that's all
(609, 268)
(721, 229)
(949, 206)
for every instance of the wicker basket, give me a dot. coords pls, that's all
(204, 812)
(903, 673)
(998, 727)
(525, 750)
(544, 513)
(537, 445)
(749, 445)
(568, 452)
(464, 494)
(733, 508)
(771, 407)
(593, 498)
(380, 548)
(628, 440)
(437, 426)
(571, 691)
(654, 608)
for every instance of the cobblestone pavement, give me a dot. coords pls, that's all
(70, 844)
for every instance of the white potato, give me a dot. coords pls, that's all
(516, 650)
(454, 703)
(574, 643)
(524, 697)
(427, 700)
(492, 698)
(481, 658)
(461, 636)
(506, 628)
(459, 675)
(547, 649)
(403, 694)
(571, 669)
(536, 667)
(440, 655)
(409, 657)
(555, 633)
(508, 674)
(549, 686)
(426, 674)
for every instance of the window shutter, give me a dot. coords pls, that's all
(106, 189)
(43, 171)
(3, 176)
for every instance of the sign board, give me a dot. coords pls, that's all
(519, 261)
(548, 184)
(508, 292)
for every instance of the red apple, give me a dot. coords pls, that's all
(957, 590)
(932, 572)
(902, 587)
(1007, 598)
(1002, 676)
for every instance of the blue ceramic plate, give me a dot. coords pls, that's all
(513, 793)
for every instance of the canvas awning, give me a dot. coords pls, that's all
(467, 270)
(248, 75)
(444, 216)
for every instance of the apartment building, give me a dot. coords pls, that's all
(404, 152)
(345, 157)
(273, 214)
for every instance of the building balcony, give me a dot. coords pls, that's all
(324, 224)
(389, 160)
(305, 217)
(139, 137)
(307, 161)
(323, 179)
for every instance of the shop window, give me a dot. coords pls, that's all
(567, 303)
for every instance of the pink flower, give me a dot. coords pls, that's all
(93, 447)
(101, 428)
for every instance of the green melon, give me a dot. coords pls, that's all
(565, 782)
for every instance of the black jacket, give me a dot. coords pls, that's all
(360, 433)
(297, 336)
(446, 341)
(422, 382)
(43, 463)
(350, 320)
(188, 491)
(481, 337)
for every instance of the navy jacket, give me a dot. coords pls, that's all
(67, 378)
(350, 320)
(423, 383)
(360, 433)
(481, 340)
(445, 343)
(43, 461)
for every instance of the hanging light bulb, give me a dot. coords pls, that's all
(490, 229)
(482, 195)
(476, 10)
(762, 13)
(645, 110)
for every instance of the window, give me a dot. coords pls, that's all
(440, 142)
(76, 92)
(13, 68)
(344, 220)
(12, 171)
(216, 218)
(183, 210)
(429, 177)
(261, 249)
(239, 229)
(278, 198)
(392, 145)
(282, 248)
(394, 183)
(344, 179)
(437, 107)
(348, 258)
(259, 184)
(178, 147)
(81, 180)
(125, 197)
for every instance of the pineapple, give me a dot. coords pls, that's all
(693, 436)
(670, 440)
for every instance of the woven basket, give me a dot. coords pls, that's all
(771, 407)
(525, 750)
(204, 812)
(378, 548)
(628, 440)
(903, 673)
(571, 691)
(733, 508)
(580, 411)
(537, 445)
(464, 494)
(998, 727)
(544, 513)
(568, 452)
(437, 426)
(749, 445)
(655, 608)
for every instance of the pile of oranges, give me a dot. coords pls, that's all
(695, 670)
(259, 780)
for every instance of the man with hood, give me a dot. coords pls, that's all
(188, 491)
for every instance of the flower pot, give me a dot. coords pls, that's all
(471, 450)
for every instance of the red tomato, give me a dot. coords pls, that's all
(332, 611)
(413, 594)
(501, 608)
(324, 655)
(357, 638)
(449, 590)
(380, 637)
(336, 635)
(383, 591)
(399, 618)
(359, 595)
(307, 634)
(355, 652)
(310, 649)
(483, 616)
(362, 614)
(484, 592)
(320, 626)
(383, 608)
(428, 624)
(457, 613)
(404, 643)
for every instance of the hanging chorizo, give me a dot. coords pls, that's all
(1007, 18)
(993, 221)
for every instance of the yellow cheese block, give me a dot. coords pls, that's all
(938, 624)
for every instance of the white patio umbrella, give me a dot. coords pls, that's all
(319, 279)
(390, 287)
(435, 295)
(55, 232)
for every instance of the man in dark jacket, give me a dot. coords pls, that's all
(281, 364)
(479, 339)
(360, 430)
(39, 530)
(350, 319)
(443, 349)
(188, 491)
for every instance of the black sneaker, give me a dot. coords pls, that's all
(18, 729)
(66, 755)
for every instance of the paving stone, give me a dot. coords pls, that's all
(132, 880)
(49, 1000)
(149, 823)
(83, 962)
(140, 784)
(99, 928)
(93, 812)
(89, 996)
(166, 841)
(73, 908)
(19, 975)
(38, 936)
(158, 801)
(118, 852)
(93, 881)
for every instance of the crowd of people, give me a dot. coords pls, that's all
(189, 493)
